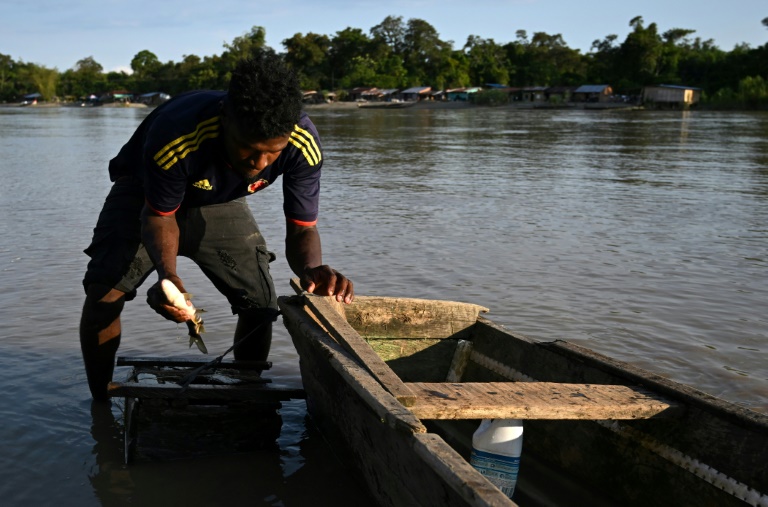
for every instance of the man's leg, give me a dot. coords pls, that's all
(224, 240)
(253, 335)
(100, 336)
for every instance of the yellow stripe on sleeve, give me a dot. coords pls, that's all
(193, 147)
(171, 150)
(304, 141)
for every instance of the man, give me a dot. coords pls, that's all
(179, 189)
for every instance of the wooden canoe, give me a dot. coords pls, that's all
(399, 386)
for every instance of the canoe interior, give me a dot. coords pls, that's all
(417, 338)
(621, 460)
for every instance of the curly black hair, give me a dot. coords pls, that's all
(264, 97)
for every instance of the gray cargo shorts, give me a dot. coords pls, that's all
(222, 239)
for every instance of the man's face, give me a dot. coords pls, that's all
(249, 157)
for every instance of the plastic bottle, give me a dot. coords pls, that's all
(496, 448)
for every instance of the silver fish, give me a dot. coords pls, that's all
(196, 327)
(194, 321)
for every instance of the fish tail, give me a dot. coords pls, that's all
(198, 340)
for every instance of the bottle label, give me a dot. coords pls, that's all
(500, 470)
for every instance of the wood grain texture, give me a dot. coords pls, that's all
(346, 335)
(535, 400)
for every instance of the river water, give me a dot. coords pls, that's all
(641, 235)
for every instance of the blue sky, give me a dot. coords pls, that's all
(58, 33)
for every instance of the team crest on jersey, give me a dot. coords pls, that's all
(203, 184)
(257, 185)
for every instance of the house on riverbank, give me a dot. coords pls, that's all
(592, 93)
(671, 96)
(415, 93)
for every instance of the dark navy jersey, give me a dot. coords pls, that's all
(178, 154)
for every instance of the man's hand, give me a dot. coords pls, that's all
(325, 281)
(159, 303)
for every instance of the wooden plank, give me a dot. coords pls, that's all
(343, 333)
(536, 400)
(209, 392)
(191, 363)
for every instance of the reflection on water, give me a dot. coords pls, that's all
(640, 235)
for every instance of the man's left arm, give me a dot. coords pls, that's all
(305, 257)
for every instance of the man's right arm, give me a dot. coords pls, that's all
(160, 235)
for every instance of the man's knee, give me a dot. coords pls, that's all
(103, 304)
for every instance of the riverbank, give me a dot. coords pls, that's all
(41, 105)
(428, 104)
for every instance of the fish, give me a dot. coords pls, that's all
(182, 301)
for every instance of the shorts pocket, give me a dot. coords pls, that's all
(264, 257)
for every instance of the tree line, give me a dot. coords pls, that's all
(401, 54)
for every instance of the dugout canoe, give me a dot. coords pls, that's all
(399, 385)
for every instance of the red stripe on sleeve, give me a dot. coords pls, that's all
(303, 224)
(162, 213)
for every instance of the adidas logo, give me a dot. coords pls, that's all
(202, 184)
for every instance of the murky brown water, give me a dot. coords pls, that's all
(641, 235)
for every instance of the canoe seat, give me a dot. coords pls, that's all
(535, 400)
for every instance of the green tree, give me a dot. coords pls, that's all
(307, 55)
(86, 77)
(602, 61)
(639, 56)
(362, 72)
(454, 72)
(487, 61)
(554, 62)
(391, 32)
(8, 78)
(242, 47)
(424, 53)
(390, 72)
(40, 79)
(346, 47)
(753, 92)
(674, 46)
(699, 65)
(145, 64)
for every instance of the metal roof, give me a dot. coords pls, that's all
(418, 89)
(677, 87)
(590, 88)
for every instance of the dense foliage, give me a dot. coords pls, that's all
(398, 54)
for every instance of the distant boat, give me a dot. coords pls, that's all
(386, 105)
